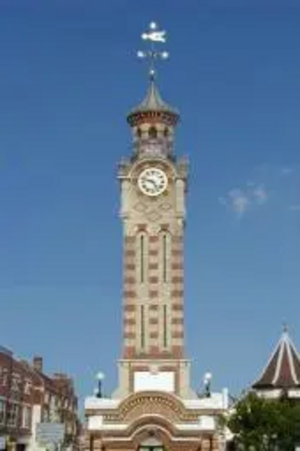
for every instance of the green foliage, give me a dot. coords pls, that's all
(266, 425)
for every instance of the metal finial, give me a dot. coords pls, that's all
(284, 327)
(154, 36)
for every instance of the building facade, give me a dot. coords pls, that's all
(30, 399)
(154, 406)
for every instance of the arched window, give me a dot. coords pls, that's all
(152, 132)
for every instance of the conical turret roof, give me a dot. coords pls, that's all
(283, 368)
(153, 101)
(153, 107)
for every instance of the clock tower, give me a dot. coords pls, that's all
(153, 407)
(153, 187)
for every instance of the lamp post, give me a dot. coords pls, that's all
(207, 381)
(98, 391)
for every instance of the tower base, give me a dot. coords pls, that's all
(155, 421)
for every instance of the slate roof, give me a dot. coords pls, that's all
(153, 103)
(283, 367)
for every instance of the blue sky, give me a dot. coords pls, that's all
(68, 77)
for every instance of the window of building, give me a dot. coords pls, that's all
(142, 263)
(142, 327)
(152, 132)
(165, 326)
(165, 256)
(142, 248)
(15, 382)
(27, 387)
(47, 398)
(3, 376)
(69, 427)
(46, 415)
(26, 417)
(12, 415)
(2, 411)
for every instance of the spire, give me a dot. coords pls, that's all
(153, 100)
(153, 108)
(283, 368)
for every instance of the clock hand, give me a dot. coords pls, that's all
(147, 181)
(153, 181)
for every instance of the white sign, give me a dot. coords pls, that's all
(50, 432)
(161, 381)
(2, 442)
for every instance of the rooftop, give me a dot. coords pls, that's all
(283, 367)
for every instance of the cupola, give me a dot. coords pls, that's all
(153, 121)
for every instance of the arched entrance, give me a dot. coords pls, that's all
(151, 444)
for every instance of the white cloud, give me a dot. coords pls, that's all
(240, 201)
(281, 180)
(260, 194)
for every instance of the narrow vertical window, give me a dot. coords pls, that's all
(142, 255)
(142, 327)
(165, 324)
(165, 258)
(165, 251)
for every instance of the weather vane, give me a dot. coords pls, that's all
(154, 35)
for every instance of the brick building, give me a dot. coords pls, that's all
(29, 397)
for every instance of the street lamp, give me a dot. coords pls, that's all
(99, 377)
(207, 380)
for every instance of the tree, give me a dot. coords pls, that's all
(265, 425)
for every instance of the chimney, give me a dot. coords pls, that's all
(38, 363)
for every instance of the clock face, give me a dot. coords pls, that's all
(152, 181)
